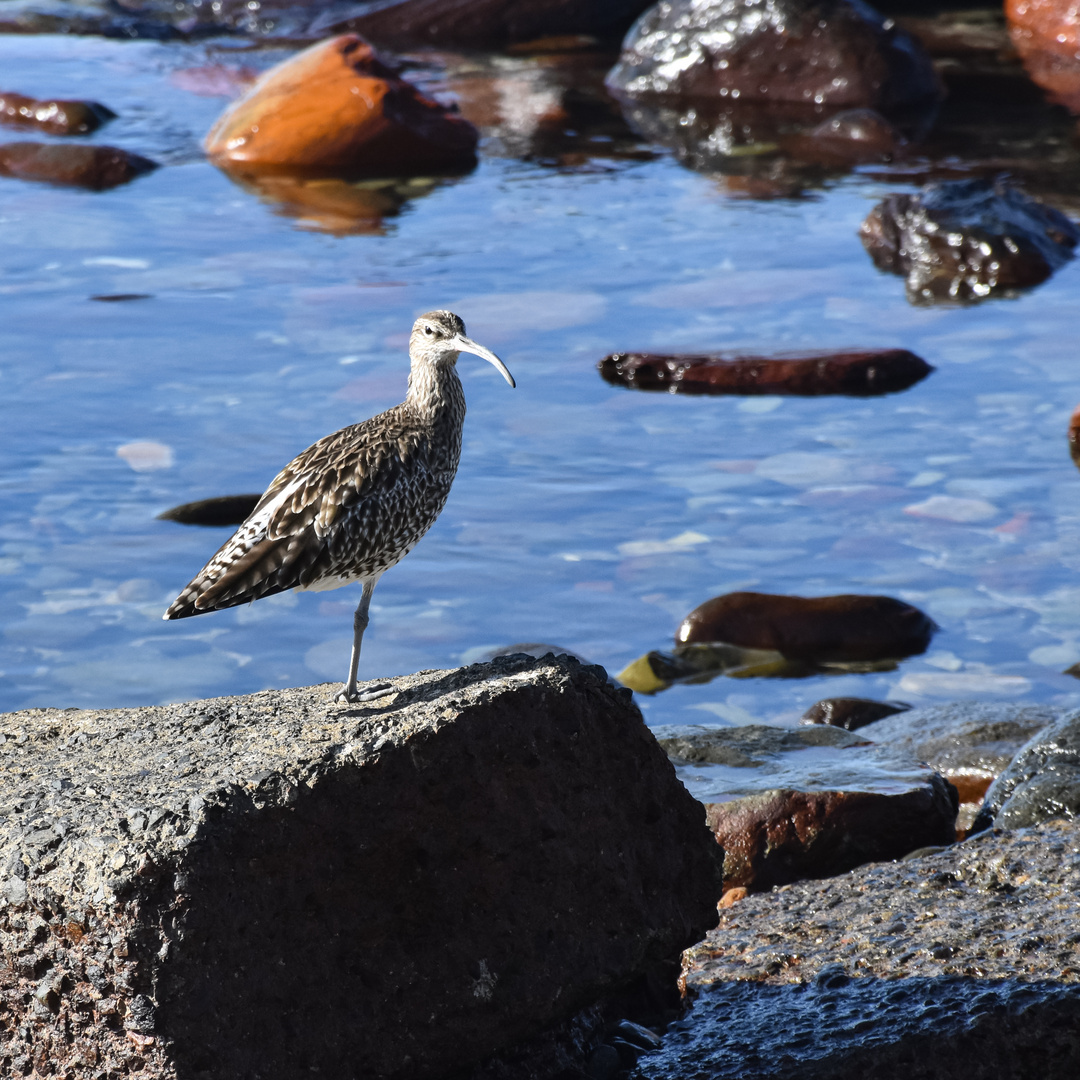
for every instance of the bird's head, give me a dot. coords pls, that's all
(439, 336)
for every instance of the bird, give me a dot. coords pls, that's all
(356, 502)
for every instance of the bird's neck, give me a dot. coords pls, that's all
(435, 389)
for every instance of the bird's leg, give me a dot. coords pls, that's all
(360, 621)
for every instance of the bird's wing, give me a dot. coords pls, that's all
(296, 535)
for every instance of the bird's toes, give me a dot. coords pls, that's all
(373, 692)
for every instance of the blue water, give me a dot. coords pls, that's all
(583, 514)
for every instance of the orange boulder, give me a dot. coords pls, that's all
(1046, 34)
(336, 110)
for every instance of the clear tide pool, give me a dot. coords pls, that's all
(583, 514)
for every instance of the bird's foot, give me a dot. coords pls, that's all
(372, 693)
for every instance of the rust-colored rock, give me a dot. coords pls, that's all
(850, 713)
(53, 116)
(489, 24)
(783, 836)
(222, 510)
(787, 803)
(1074, 435)
(94, 167)
(337, 110)
(1046, 34)
(967, 239)
(809, 52)
(865, 373)
(824, 628)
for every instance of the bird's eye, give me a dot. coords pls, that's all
(429, 331)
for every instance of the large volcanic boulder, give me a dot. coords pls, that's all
(279, 885)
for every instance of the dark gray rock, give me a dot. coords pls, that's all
(968, 239)
(277, 885)
(963, 963)
(968, 742)
(1041, 782)
(850, 713)
(808, 802)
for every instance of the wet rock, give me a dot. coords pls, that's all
(337, 110)
(94, 167)
(829, 628)
(858, 374)
(701, 663)
(1046, 34)
(194, 877)
(958, 964)
(52, 116)
(850, 713)
(787, 804)
(967, 239)
(852, 137)
(484, 24)
(1074, 436)
(1041, 782)
(969, 743)
(808, 52)
(223, 510)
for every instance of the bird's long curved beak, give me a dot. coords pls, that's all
(464, 344)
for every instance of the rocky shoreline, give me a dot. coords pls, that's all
(491, 875)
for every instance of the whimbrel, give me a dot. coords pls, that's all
(356, 502)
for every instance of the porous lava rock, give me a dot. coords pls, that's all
(279, 885)
(1046, 34)
(857, 374)
(52, 115)
(811, 802)
(96, 167)
(838, 53)
(825, 628)
(963, 963)
(336, 109)
(850, 713)
(967, 239)
(1041, 782)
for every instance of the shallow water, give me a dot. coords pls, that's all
(583, 514)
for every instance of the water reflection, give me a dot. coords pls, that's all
(336, 206)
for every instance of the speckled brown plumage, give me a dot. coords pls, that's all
(356, 502)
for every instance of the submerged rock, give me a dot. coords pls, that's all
(787, 804)
(838, 53)
(967, 239)
(957, 964)
(281, 885)
(852, 137)
(94, 167)
(824, 628)
(1041, 782)
(850, 713)
(968, 742)
(858, 374)
(53, 115)
(337, 110)
(222, 510)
